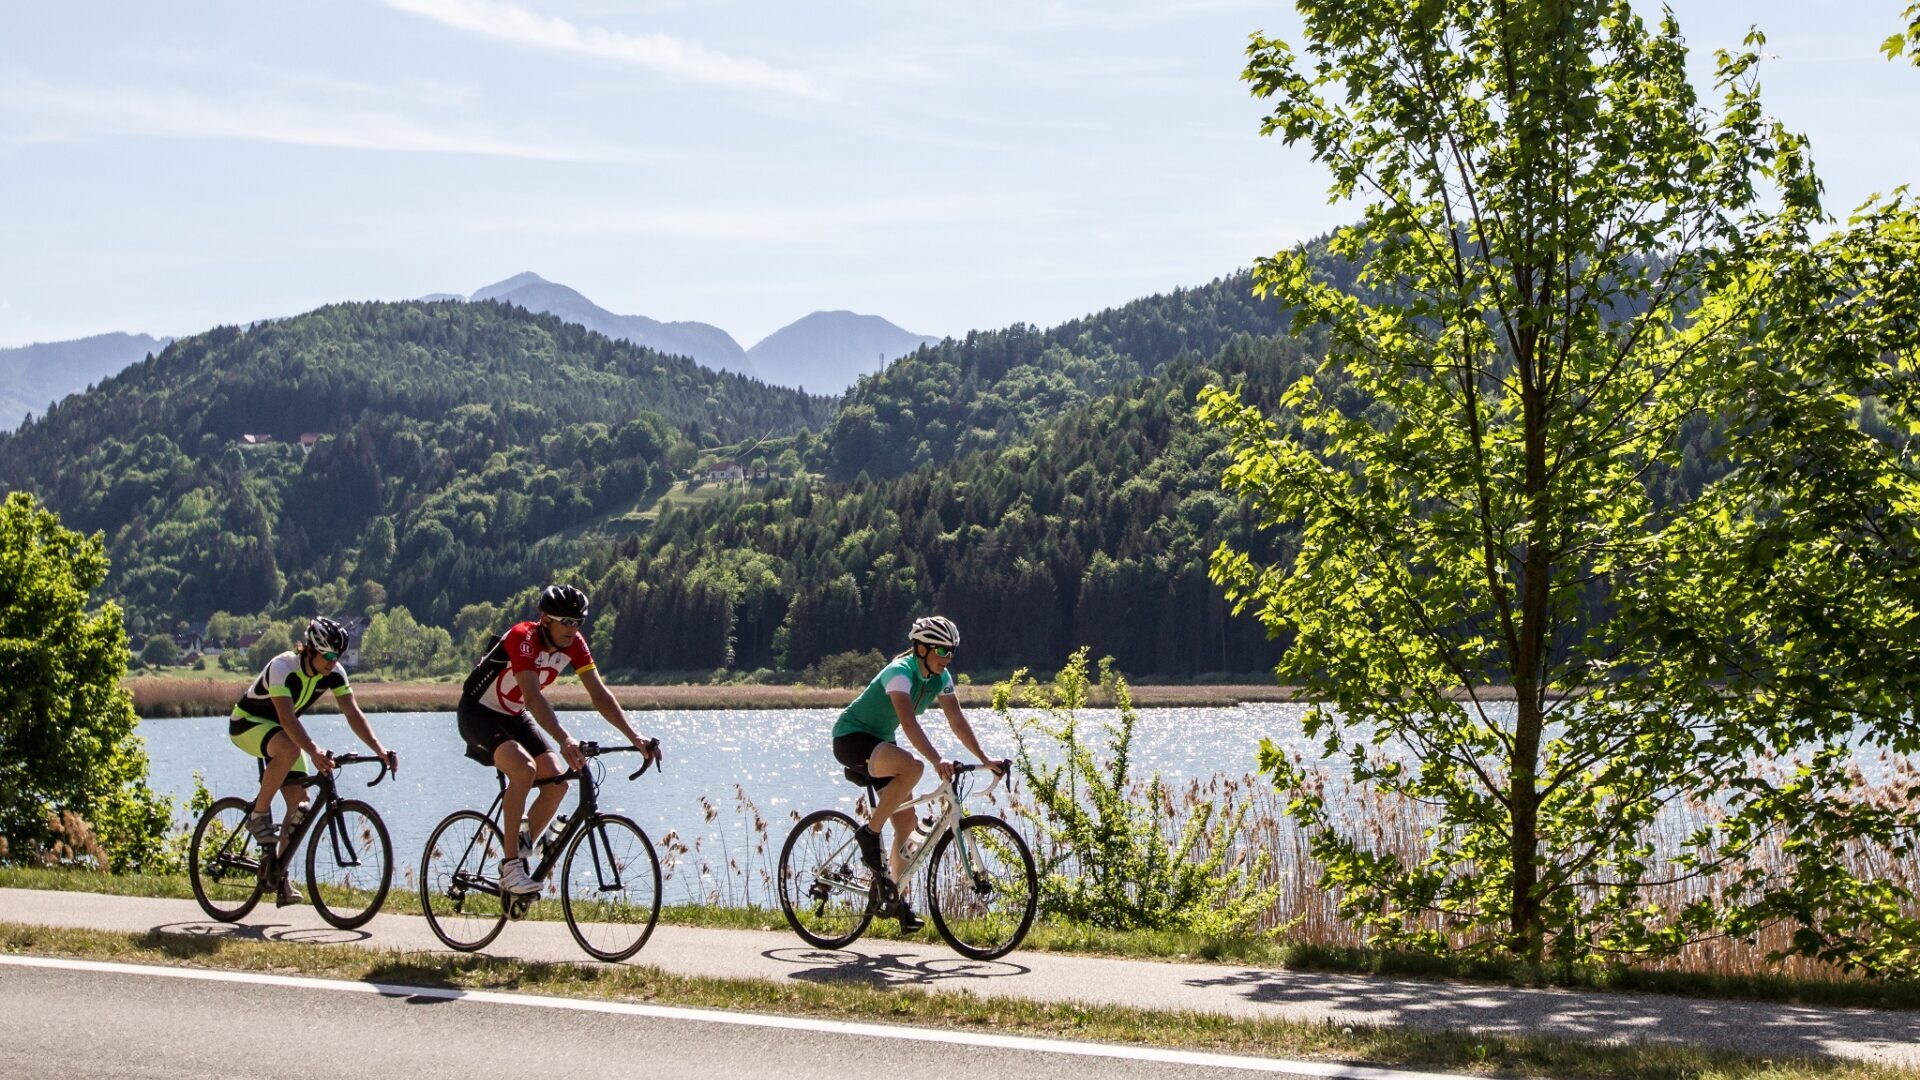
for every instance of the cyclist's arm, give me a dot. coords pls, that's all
(917, 735)
(536, 702)
(957, 720)
(357, 720)
(289, 723)
(609, 709)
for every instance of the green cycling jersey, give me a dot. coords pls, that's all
(872, 712)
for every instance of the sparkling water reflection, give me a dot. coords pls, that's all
(779, 759)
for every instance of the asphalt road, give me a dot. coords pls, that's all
(1891, 1036)
(66, 1023)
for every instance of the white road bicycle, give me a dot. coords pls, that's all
(981, 888)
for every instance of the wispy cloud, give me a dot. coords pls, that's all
(42, 111)
(657, 52)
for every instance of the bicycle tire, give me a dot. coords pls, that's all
(635, 863)
(983, 914)
(808, 880)
(224, 861)
(467, 918)
(334, 897)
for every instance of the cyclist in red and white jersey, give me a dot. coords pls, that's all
(505, 686)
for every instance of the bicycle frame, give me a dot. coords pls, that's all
(949, 821)
(584, 810)
(328, 796)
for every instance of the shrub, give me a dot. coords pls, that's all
(847, 669)
(1112, 859)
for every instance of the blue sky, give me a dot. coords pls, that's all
(951, 166)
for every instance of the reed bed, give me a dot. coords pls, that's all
(711, 869)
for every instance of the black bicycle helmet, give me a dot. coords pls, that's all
(563, 602)
(325, 635)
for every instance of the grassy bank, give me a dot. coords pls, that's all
(197, 694)
(1251, 950)
(1473, 1054)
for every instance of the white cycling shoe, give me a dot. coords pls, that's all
(514, 879)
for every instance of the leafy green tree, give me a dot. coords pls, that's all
(66, 726)
(1567, 265)
(273, 641)
(160, 651)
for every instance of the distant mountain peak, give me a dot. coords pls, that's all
(517, 281)
(826, 351)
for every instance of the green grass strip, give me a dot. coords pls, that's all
(1174, 946)
(1402, 1047)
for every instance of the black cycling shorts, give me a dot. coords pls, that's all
(486, 729)
(855, 749)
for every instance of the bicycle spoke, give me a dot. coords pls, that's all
(460, 881)
(824, 885)
(349, 864)
(982, 888)
(610, 888)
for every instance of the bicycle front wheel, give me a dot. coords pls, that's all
(610, 888)
(981, 888)
(826, 889)
(460, 881)
(223, 861)
(349, 864)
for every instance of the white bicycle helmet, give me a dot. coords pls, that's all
(935, 630)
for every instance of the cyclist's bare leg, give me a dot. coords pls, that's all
(521, 769)
(282, 755)
(547, 803)
(905, 769)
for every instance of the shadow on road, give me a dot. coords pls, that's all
(200, 938)
(846, 967)
(1750, 1026)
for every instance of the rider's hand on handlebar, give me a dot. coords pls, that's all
(323, 760)
(648, 747)
(570, 749)
(945, 769)
(393, 762)
(998, 766)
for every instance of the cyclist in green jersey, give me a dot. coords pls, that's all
(863, 741)
(266, 724)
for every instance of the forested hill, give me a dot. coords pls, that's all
(960, 396)
(1094, 529)
(445, 440)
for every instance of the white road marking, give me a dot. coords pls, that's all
(1029, 1044)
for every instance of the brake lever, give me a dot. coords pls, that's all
(653, 756)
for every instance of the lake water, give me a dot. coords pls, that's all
(780, 760)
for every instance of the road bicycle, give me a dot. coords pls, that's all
(609, 883)
(981, 887)
(349, 861)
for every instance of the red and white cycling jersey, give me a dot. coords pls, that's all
(494, 682)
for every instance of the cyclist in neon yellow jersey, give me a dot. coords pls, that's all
(863, 739)
(266, 724)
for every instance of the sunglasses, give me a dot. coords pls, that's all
(941, 650)
(566, 620)
(329, 655)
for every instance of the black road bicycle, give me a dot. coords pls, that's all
(609, 883)
(349, 861)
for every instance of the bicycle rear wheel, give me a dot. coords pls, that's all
(826, 890)
(981, 888)
(223, 861)
(610, 888)
(460, 881)
(349, 864)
